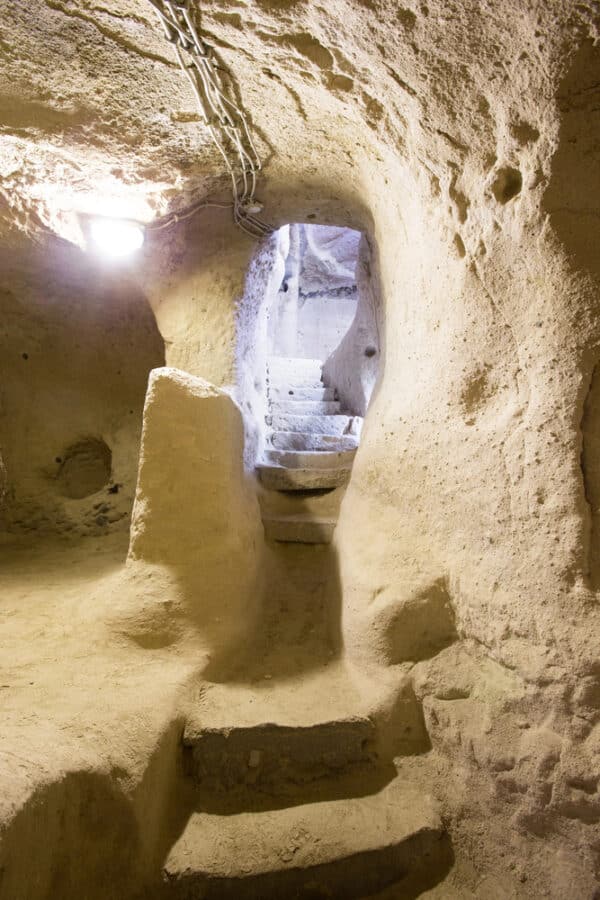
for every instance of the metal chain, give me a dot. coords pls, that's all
(223, 117)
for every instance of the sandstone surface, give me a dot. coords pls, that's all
(460, 588)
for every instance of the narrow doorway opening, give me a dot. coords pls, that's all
(321, 366)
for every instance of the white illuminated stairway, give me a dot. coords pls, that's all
(310, 446)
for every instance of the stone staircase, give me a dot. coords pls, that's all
(297, 794)
(310, 447)
(343, 849)
(301, 773)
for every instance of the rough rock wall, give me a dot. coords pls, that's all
(469, 470)
(328, 258)
(353, 366)
(3, 485)
(464, 140)
(77, 344)
(195, 514)
(193, 277)
(254, 310)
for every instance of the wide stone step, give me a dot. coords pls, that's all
(340, 849)
(281, 382)
(304, 440)
(311, 459)
(306, 407)
(293, 364)
(273, 735)
(307, 504)
(285, 379)
(299, 530)
(286, 392)
(318, 424)
(279, 478)
(269, 756)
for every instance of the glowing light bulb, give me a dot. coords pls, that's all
(116, 238)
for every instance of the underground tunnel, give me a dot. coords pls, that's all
(299, 450)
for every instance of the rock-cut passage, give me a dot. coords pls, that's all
(312, 431)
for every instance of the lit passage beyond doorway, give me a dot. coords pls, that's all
(322, 355)
(318, 295)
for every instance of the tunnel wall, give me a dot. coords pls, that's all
(75, 351)
(463, 140)
(483, 390)
(353, 366)
(481, 398)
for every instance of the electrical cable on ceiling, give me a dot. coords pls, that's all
(225, 120)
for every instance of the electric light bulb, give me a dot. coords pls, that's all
(116, 238)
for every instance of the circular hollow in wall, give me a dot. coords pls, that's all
(507, 184)
(85, 468)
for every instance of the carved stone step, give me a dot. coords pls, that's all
(304, 728)
(292, 504)
(317, 424)
(311, 459)
(306, 407)
(283, 382)
(299, 530)
(269, 755)
(291, 365)
(340, 849)
(279, 478)
(293, 392)
(306, 440)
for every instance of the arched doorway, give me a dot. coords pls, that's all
(321, 363)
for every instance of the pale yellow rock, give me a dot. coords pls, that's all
(463, 140)
(193, 505)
